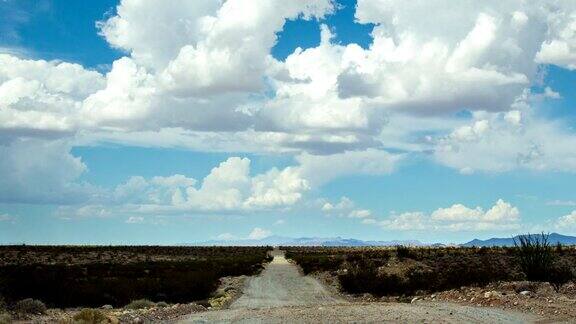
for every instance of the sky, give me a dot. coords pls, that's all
(148, 122)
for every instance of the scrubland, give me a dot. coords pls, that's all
(72, 276)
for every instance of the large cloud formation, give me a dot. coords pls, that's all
(200, 75)
(458, 217)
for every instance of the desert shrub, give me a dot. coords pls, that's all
(403, 252)
(94, 276)
(90, 316)
(30, 306)
(559, 248)
(312, 263)
(5, 318)
(358, 280)
(368, 279)
(161, 304)
(370, 270)
(140, 304)
(559, 274)
(420, 278)
(535, 256)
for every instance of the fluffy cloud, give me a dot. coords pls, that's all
(229, 187)
(368, 162)
(345, 208)
(128, 95)
(212, 85)
(259, 233)
(207, 75)
(233, 52)
(140, 28)
(39, 171)
(222, 49)
(306, 93)
(37, 96)
(560, 47)
(501, 212)
(458, 217)
(215, 73)
(412, 67)
(421, 61)
(344, 204)
(506, 141)
(567, 222)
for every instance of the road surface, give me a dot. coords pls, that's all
(282, 284)
(281, 294)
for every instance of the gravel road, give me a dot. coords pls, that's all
(281, 294)
(282, 284)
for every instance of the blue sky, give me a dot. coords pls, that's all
(126, 123)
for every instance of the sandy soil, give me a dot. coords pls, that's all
(281, 294)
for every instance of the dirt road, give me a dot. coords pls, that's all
(281, 294)
(281, 284)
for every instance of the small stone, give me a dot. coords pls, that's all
(525, 293)
(107, 307)
(414, 300)
(492, 294)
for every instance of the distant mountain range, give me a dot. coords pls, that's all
(275, 240)
(553, 239)
(306, 241)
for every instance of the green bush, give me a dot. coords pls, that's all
(559, 274)
(358, 279)
(90, 316)
(30, 306)
(140, 304)
(535, 256)
(403, 252)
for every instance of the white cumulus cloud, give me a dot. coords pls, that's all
(259, 233)
(458, 217)
(567, 222)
